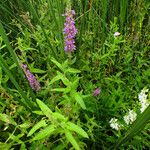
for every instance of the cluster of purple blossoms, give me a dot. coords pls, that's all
(35, 85)
(69, 31)
(96, 92)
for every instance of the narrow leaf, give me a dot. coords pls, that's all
(58, 77)
(79, 100)
(40, 124)
(35, 70)
(65, 90)
(72, 140)
(72, 70)
(57, 64)
(73, 127)
(59, 116)
(44, 133)
(46, 111)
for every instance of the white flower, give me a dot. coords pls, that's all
(143, 100)
(130, 117)
(114, 124)
(117, 34)
(142, 96)
(144, 106)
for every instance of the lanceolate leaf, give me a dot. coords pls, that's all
(72, 140)
(73, 127)
(72, 70)
(46, 111)
(79, 100)
(57, 64)
(40, 124)
(137, 126)
(44, 133)
(58, 77)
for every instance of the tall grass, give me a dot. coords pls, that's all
(114, 63)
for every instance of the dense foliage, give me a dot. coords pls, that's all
(74, 74)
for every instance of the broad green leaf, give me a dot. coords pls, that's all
(79, 100)
(73, 127)
(40, 124)
(45, 109)
(72, 140)
(7, 119)
(44, 133)
(136, 127)
(72, 70)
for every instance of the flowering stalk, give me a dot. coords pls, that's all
(35, 85)
(69, 31)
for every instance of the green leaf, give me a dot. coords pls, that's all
(40, 124)
(35, 70)
(44, 133)
(7, 119)
(0, 75)
(75, 84)
(73, 127)
(57, 64)
(72, 70)
(79, 100)
(38, 112)
(25, 125)
(58, 77)
(5, 146)
(45, 109)
(13, 66)
(64, 79)
(72, 140)
(65, 90)
(59, 116)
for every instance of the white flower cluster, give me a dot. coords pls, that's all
(130, 117)
(143, 99)
(114, 124)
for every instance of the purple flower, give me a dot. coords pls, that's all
(35, 85)
(69, 31)
(96, 92)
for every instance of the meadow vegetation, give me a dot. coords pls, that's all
(74, 74)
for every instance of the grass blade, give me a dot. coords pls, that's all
(4, 66)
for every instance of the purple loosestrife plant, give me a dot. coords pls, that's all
(69, 31)
(96, 92)
(35, 85)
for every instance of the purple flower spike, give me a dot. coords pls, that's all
(96, 92)
(35, 85)
(70, 31)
